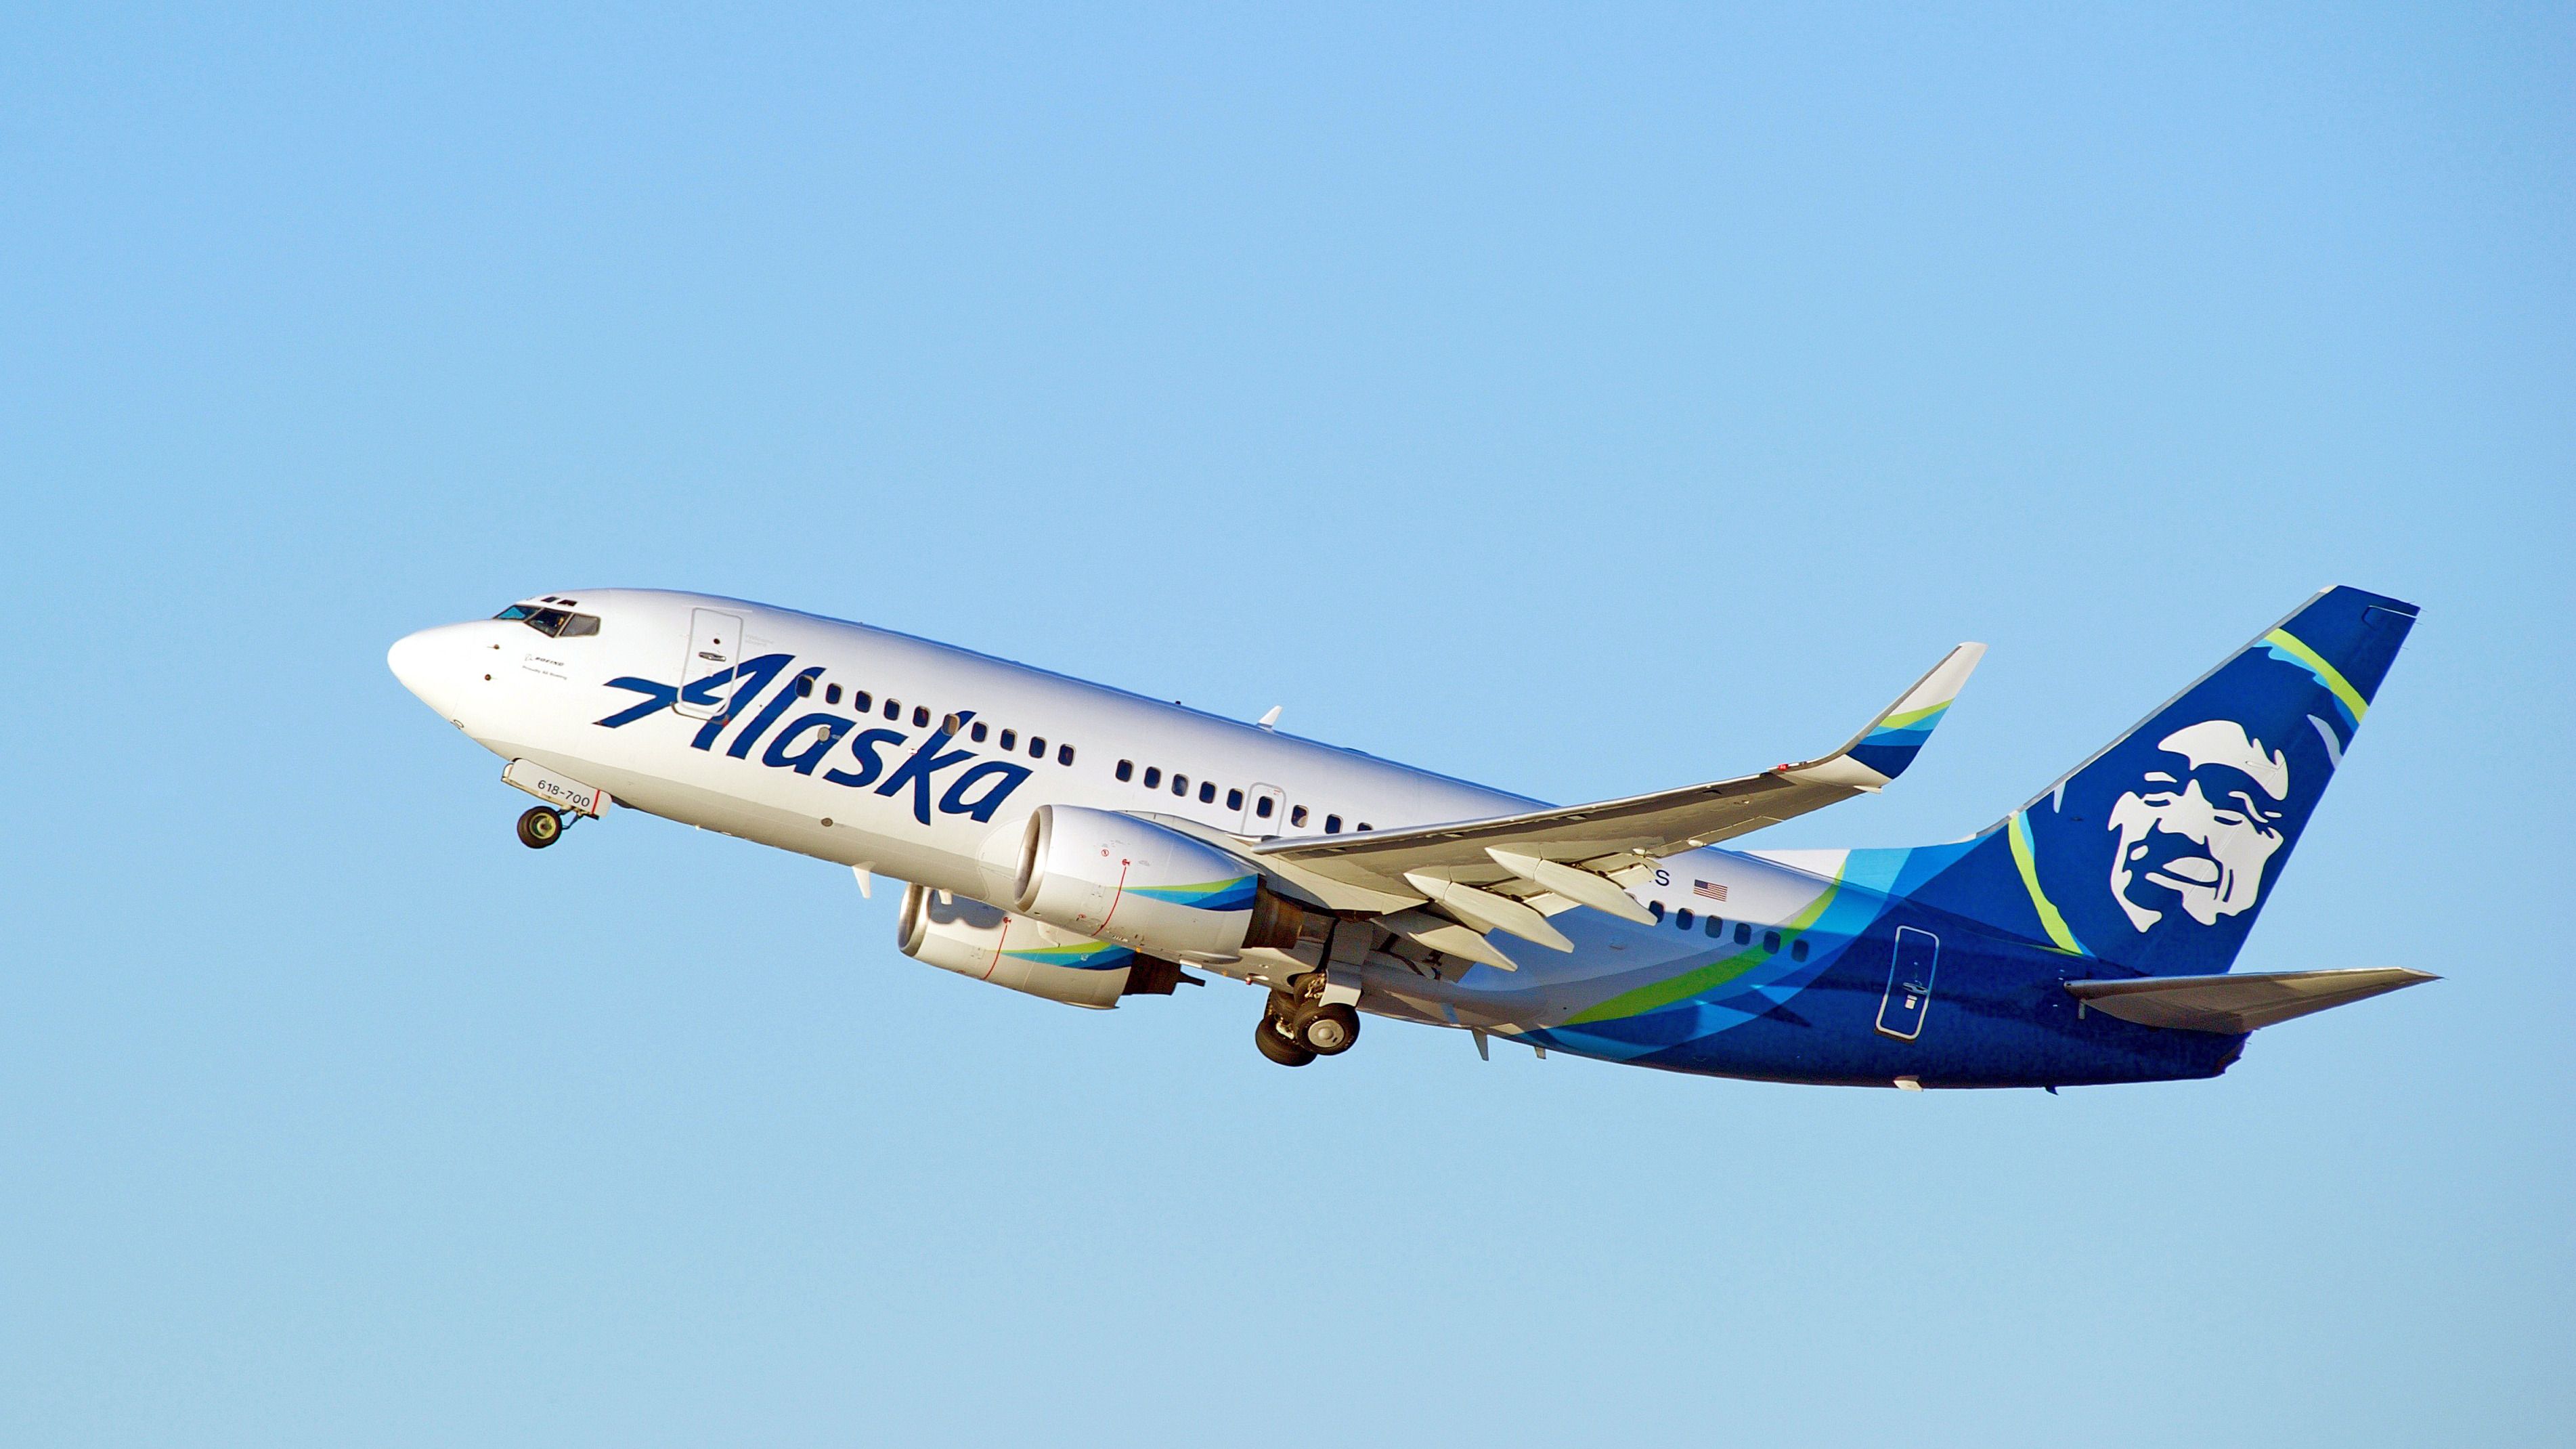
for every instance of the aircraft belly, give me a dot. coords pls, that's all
(2000, 1020)
(776, 818)
(2005, 1031)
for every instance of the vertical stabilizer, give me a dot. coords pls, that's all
(2158, 851)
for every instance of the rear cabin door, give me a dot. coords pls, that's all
(1909, 983)
(1266, 813)
(707, 671)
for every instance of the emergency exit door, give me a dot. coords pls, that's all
(1909, 983)
(1265, 814)
(707, 670)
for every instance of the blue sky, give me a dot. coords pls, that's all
(1579, 401)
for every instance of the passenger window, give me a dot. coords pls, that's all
(1743, 934)
(1180, 784)
(1064, 754)
(1332, 825)
(1262, 807)
(1771, 942)
(1364, 825)
(831, 694)
(921, 716)
(1126, 769)
(894, 709)
(1716, 928)
(978, 732)
(1798, 949)
(1153, 777)
(579, 626)
(1010, 739)
(952, 723)
(1037, 747)
(1656, 909)
(804, 686)
(1297, 817)
(1234, 799)
(860, 701)
(1683, 918)
(1207, 792)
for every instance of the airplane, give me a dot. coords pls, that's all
(1085, 845)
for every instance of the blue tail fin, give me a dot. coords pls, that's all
(2156, 853)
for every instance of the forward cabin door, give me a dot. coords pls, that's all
(707, 671)
(1909, 983)
(1266, 813)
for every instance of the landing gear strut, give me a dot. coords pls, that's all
(1299, 1026)
(540, 827)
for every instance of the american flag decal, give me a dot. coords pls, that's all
(1708, 888)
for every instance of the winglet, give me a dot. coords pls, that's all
(1881, 752)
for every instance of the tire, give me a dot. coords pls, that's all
(1278, 1048)
(539, 828)
(1330, 1030)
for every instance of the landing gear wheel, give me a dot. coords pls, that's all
(1278, 1048)
(540, 827)
(1330, 1030)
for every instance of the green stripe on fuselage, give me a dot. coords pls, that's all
(1717, 973)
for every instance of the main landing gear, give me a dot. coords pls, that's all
(1297, 1028)
(542, 827)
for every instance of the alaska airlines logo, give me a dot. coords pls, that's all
(810, 741)
(2159, 851)
(2198, 832)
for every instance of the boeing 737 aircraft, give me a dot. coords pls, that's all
(1083, 844)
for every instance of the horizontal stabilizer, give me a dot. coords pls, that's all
(2237, 1004)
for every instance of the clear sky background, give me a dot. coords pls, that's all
(1579, 400)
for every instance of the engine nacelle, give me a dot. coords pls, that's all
(1117, 878)
(974, 939)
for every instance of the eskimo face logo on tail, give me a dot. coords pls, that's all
(2197, 833)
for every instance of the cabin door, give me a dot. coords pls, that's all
(1909, 984)
(707, 670)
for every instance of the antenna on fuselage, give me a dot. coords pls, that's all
(1270, 721)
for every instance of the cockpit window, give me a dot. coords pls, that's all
(553, 623)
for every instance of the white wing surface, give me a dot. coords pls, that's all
(1563, 857)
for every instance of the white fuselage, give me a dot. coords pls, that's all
(545, 697)
(794, 766)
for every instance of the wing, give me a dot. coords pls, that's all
(1541, 861)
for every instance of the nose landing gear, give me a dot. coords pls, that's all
(569, 800)
(1297, 1028)
(541, 827)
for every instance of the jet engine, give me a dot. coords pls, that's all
(974, 939)
(1117, 878)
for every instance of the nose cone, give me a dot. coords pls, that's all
(409, 660)
(432, 664)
